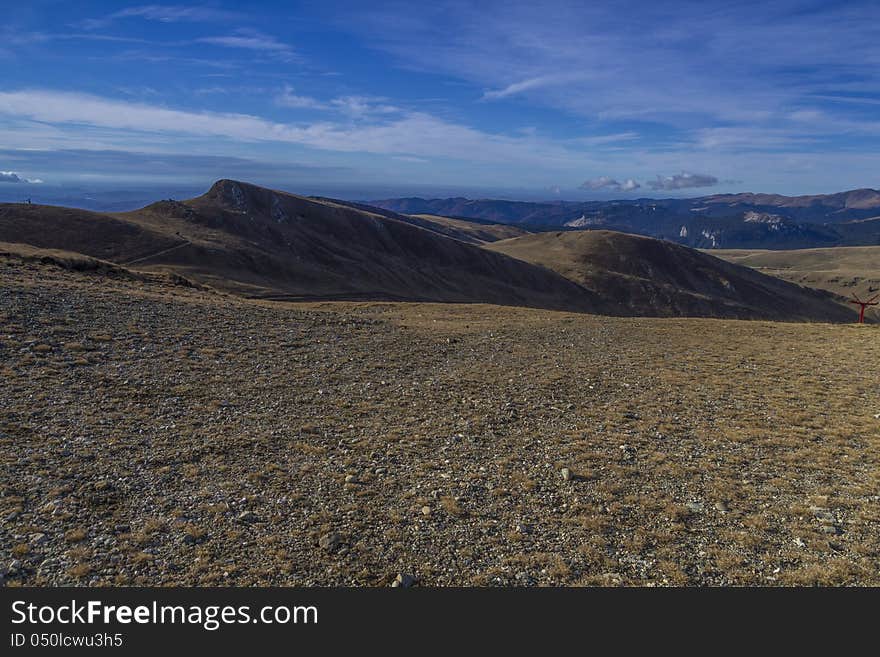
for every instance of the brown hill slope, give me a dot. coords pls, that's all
(473, 231)
(265, 243)
(100, 235)
(479, 232)
(843, 270)
(261, 242)
(646, 276)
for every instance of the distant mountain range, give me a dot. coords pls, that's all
(270, 244)
(730, 221)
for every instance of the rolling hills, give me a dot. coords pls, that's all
(269, 244)
(259, 242)
(653, 277)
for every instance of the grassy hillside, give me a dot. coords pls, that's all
(842, 270)
(260, 242)
(265, 243)
(653, 277)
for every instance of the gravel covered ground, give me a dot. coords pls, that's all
(157, 435)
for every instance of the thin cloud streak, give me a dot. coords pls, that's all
(673, 79)
(163, 14)
(412, 133)
(252, 40)
(520, 87)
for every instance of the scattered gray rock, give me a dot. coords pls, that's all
(403, 581)
(330, 542)
(266, 498)
(247, 516)
(822, 514)
(524, 579)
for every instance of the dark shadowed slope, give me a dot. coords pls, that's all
(96, 234)
(652, 277)
(261, 242)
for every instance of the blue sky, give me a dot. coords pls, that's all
(532, 99)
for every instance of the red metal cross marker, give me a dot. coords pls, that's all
(864, 304)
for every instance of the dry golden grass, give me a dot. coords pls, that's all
(645, 276)
(209, 440)
(842, 270)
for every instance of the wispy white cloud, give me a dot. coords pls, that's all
(249, 39)
(40, 118)
(748, 138)
(680, 70)
(164, 14)
(614, 138)
(410, 158)
(121, 165)
(519, 87)
(351, 106)
(406, 133)
(839, 98)
(288, 98)
(25, 38)
(363, 106)
(162, 55)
